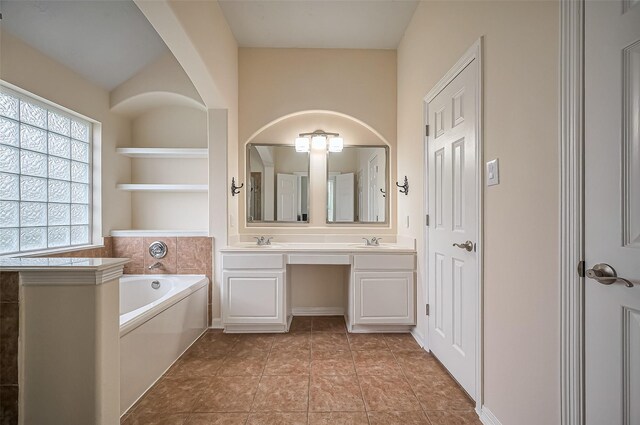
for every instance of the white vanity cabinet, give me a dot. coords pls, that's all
(380, 292)
(383, 290)
(253, 295)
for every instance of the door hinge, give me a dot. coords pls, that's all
(427, 220)
(426, 130)
(427, 309)
(580, 268)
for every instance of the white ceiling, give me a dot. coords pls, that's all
(106, 41)
(347, 24)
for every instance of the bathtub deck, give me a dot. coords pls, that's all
(316, 374)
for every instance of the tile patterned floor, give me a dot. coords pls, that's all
(315, 375)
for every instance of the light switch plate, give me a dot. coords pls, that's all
(493, 173)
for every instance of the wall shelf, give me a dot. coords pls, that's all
(163, 187)
(181, 153)
(158, 233)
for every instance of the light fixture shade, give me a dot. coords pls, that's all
(319, 142)
(336, 144)
(302, 144)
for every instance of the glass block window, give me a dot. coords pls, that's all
(45, 176)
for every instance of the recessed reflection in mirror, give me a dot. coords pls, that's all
(357, 185)
(278, 179)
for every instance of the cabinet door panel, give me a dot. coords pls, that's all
(384, 298)
(254, 297)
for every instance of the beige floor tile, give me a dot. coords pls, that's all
(328, 324)
(292, 341)
(156, 419)
(454, 418)
(402, 342)
(398, 418)
(335, 394)
(388, 394)
(278, 418)
(282, 394)
(195, 367)
(439, 393)
(295, 362)
(365, 342)
(329, 341)
(332, 362)
(300, 323)
(250, 364)
(217, 419)
(228, 394)
(376, 363)
(338, 418)
(172, 395)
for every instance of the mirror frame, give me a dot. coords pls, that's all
(248, 192)
(387, 192)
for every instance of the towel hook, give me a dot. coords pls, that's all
(404, 188)
(235, 189)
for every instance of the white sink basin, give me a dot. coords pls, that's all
(363, 246)
(255, 245)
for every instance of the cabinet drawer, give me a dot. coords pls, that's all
(384, 262)
(252, 261)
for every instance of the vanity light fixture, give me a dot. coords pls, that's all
(336, 144)
(302, 144)
(318, 141)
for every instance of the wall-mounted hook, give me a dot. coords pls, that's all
(404, 188)
(235, 189)
(384, 194)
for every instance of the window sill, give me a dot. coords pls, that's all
(46, 252)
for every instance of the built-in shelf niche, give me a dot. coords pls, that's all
(173, 153)
(175, 188)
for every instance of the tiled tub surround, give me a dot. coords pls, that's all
(185, 255)
(316, 374)
(9, 325)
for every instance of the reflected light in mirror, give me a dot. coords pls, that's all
(302, 144)
(336, 144)
(319, 142)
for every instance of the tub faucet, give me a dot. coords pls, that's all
(374, 241)
(156, 265)
(263, 240)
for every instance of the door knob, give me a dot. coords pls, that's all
(606, 275)
(468, 245)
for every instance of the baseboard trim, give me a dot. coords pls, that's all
(216, 323)
(488, 418)
(418, 337)
(317, 311)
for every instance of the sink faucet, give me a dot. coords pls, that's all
(156, 265)
(374, 241)
(263, 240)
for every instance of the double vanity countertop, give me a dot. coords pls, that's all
(322, 247)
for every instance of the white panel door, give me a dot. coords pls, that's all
(253, 297)
(612, 211)
(287, 189)
(345, 202)
(453, 281)
(385, 298)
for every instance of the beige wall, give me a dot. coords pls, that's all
(352, 92)
(30, 70)
(521, 304)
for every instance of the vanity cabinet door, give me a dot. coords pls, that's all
(384, 298)
(253, 297)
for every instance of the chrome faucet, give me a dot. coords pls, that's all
(156, 265)
(263, 240)
(374, 241)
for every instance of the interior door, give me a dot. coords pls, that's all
(345, 202)
(452, 269)
(373, 189)
(612, 211)
(287, 187)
